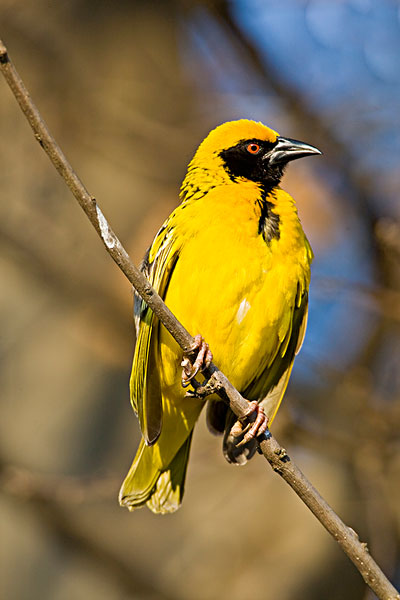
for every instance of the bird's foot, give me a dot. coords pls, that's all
(202, 361)
(201, 390)
(255, 428)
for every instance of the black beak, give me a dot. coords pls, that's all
(286, 150)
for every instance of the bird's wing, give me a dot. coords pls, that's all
(145, 390)
(270, 385)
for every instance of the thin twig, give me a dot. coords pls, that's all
(270, 448)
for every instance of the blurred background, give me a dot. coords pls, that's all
(129, 90)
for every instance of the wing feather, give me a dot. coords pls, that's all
(269, 387)
(145, 389)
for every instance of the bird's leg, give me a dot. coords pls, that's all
(254, 428)
(202, 361)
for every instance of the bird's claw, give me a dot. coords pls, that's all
(252, 429)
(202, 361)
(201, 390)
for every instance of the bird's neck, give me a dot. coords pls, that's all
(282, 224)
(278, 220)
(269, 221)
(202, 176)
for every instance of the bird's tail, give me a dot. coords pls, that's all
(161, 490)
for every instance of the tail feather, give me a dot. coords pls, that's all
(145, 483)
(168, 494)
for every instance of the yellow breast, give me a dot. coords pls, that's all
(230, 285)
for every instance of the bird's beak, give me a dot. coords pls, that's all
(286, 150)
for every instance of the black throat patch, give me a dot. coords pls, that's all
(269, 223)
(240, 161)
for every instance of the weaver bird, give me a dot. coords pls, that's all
(231, 262)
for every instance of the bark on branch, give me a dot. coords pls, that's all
(272, 451)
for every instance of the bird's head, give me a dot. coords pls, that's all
(246, 150)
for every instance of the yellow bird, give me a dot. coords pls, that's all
(233, 264)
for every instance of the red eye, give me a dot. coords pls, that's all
(253, 148)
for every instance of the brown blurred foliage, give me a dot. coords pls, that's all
(110, 84)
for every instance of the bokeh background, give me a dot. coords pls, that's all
(129, 89)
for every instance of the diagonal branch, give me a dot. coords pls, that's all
(272, 451)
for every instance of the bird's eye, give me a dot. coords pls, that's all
(253, 148)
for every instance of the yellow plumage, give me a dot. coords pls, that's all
(233, 264)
